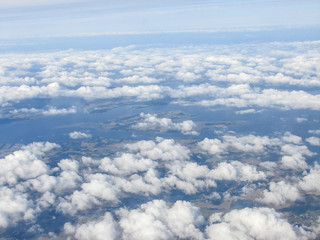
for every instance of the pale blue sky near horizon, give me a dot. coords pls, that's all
(21, 19)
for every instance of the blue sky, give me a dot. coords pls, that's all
(35, 18)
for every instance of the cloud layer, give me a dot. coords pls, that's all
(209, 177)
(156, 168)
(269, 77)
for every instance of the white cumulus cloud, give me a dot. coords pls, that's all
(280, 193)
(253, 223)
(100, 229)
(152, 122)
(313, 141)
(79, 135)
(157, 220)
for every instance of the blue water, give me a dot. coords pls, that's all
(56, 128)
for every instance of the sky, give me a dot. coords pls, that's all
(35, 18)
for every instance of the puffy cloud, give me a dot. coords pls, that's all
(79, 135)
(296, 161)
(100, 75)
(212, 146)
(102, 228)
(286, 99)
(184, 175)
(313, 141)
(291, 149)
(147, 184)
(135, 172)
(62, 111)
(148, 92)
(156, 220)
(280, 78)
(155, 167)
(268, 165)
(136, 79)
(247, 111)
(314, 131)
(152, 122)
(267, 98)
(253, 223)
(310, 182)
(26, 111)
(66, 181)
(25, 172)
(164, 149)
(69, 165)
(249, 143)
(280, 193)
(294, 155)
(210, 90)
(179, 172)
(189, 177)
(16, 94)
(126, 164)
(100, 187)
(237, 171)
(14, 207)
(77, 201)
(46, 200)
(88, 161)
(187, 76)
(25, 163)
(50, 111)
(290, 138)
(43, 183)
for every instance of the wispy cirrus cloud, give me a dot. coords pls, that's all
(53, 18)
